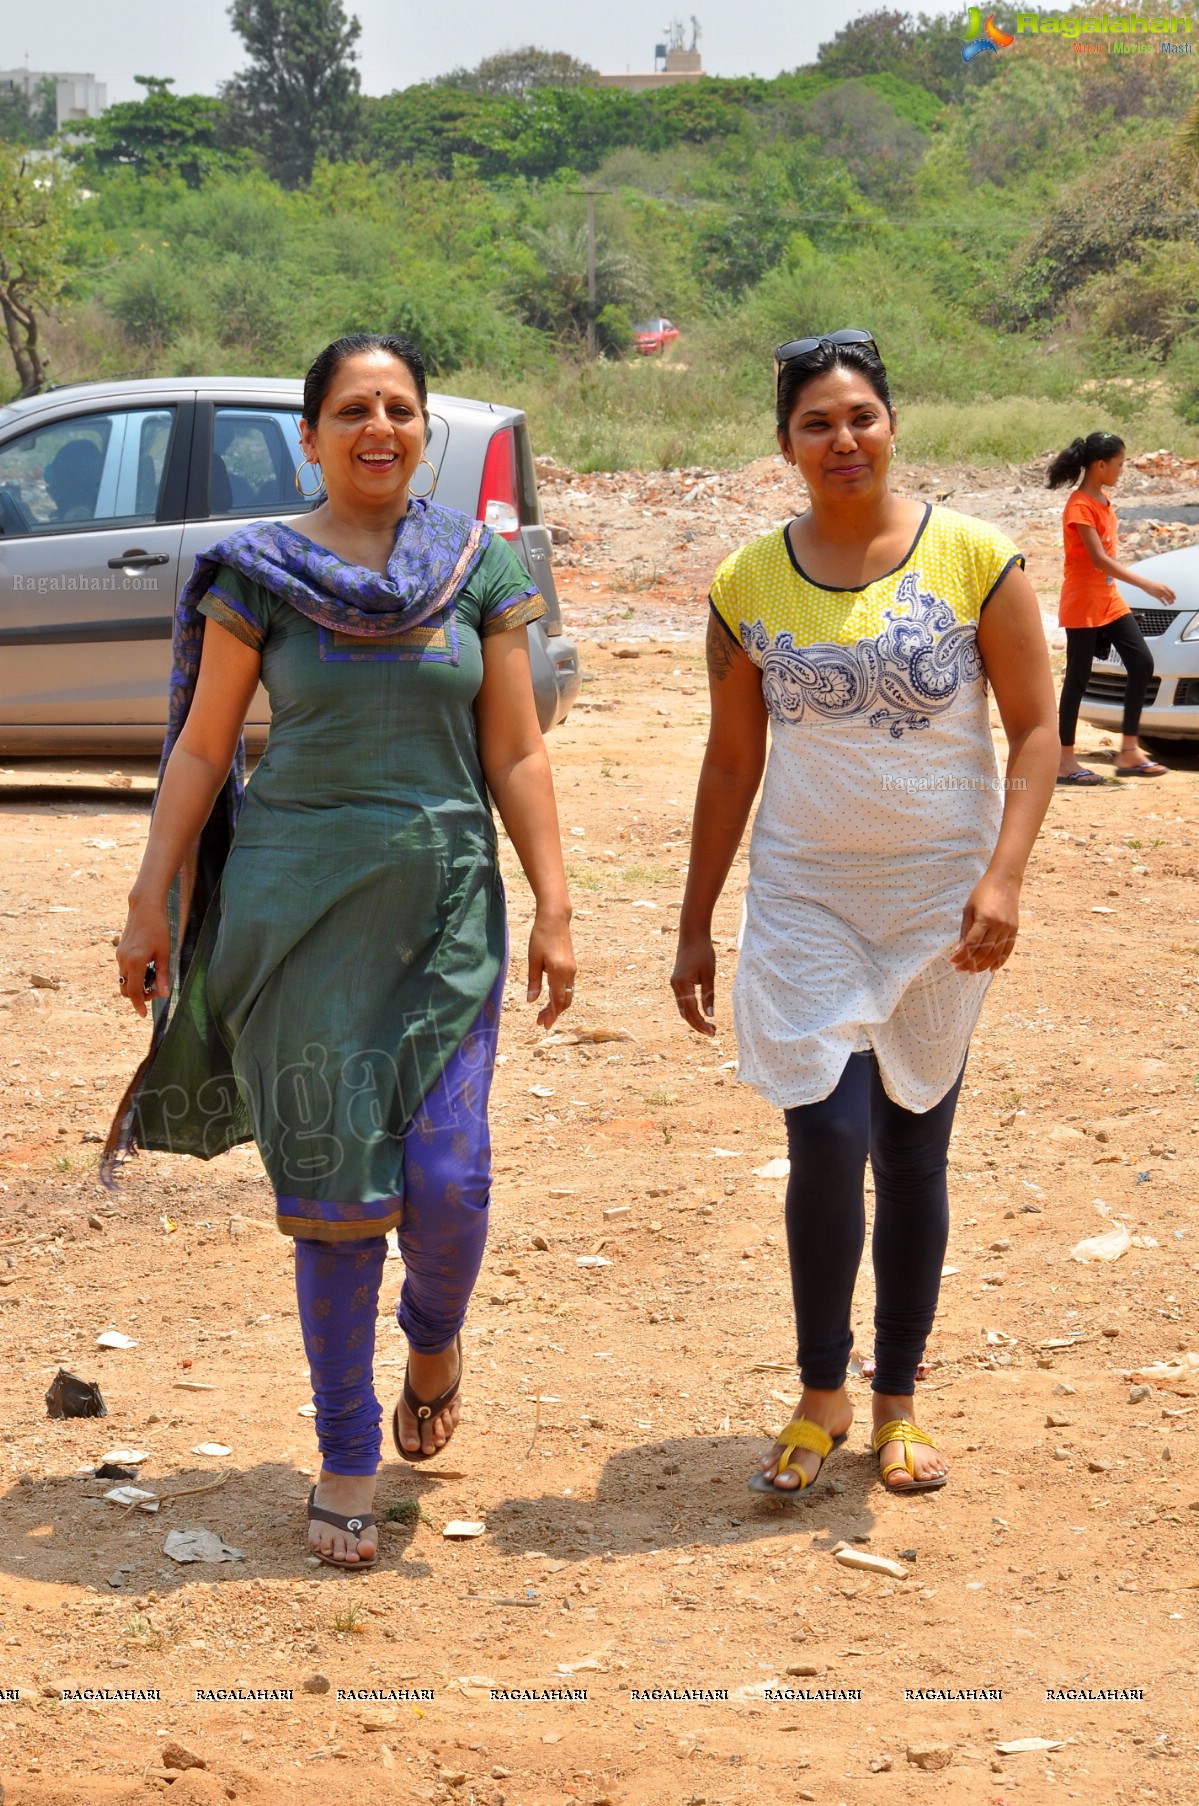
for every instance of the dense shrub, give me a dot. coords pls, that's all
(153, 299)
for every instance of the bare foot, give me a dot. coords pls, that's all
(929, 1464)
(833, 1412)
(350, 1496)
(429, 1376)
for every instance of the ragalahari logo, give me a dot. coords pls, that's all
(982, 37)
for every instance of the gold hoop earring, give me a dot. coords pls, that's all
(309, 495)
(424, 494)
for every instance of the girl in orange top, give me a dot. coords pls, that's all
(1092, 605)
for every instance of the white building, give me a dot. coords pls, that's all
(75, 96)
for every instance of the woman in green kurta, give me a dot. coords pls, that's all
(341, 1000)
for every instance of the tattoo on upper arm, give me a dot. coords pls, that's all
(721, 652)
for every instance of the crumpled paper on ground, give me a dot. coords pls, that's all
(1111, 1244)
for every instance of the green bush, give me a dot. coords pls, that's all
(614, 331)
(858, 130)
(197, 353)
(1184, 373)
(1138, 197)
(249, 219)
(643, 414)
(1148, 304)
(1008, 128)
(248, 310)
(453, 328)
(1014, 429)
(154, 298)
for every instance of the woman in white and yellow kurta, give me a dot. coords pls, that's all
(885, 866)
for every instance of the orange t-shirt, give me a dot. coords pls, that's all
(1089, 596)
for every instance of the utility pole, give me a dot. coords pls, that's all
(592, 345)
(592, 335)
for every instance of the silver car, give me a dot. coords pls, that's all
(1171, 709)
(108, 491)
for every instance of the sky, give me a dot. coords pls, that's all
(402, 43)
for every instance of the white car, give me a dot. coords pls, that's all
(1172, 634)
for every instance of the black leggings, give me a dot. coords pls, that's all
(1136, 658)
(826, 1224)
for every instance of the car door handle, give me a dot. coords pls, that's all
(137, 559)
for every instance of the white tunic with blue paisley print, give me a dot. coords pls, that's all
(879, 813)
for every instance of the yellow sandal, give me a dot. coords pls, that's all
(906, 1433)
(800, 1433)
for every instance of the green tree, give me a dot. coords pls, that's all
(164, 135)
(791, 195)
(695, 112)
(857, 128)
(34, 214)
(520, 72)
(297, 99)
(561, 128)
(1016, 126)
(27, 120)
(432, 128)
(924, 50)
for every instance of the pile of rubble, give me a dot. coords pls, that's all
(1141, 539)
(1168, 465)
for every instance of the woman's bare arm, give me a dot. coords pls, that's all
(728, 783)
(1011, 643)
(517, 770)
(196, 770)
(1160, 592)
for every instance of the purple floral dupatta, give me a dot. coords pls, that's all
(436, 551)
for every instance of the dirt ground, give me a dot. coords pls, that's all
(630, 1345)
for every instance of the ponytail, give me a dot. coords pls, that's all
(1068, 466)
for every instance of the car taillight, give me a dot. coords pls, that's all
(498, 505)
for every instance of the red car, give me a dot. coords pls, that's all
(653, 336)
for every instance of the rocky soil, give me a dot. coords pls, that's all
(630, 1345)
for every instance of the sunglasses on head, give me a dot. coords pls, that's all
(848, 335)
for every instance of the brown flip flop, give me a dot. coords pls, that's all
(351, 1526)
(424, 1409)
